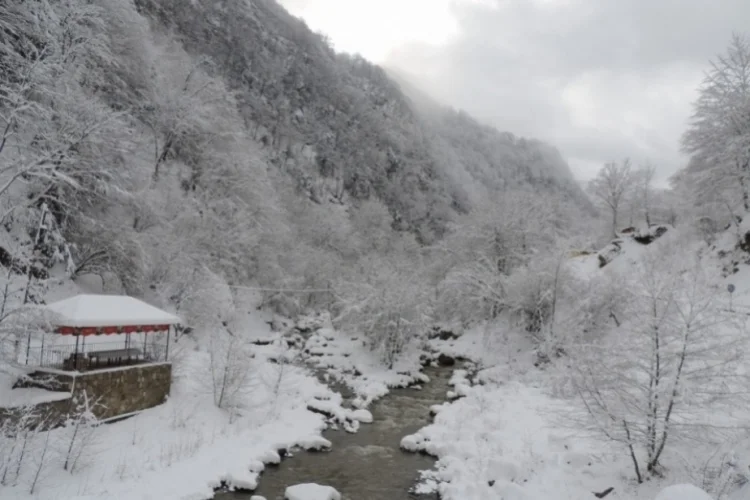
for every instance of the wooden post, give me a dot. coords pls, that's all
(75, 354)
(166, 354)
(83, 351)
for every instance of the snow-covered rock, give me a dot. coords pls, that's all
(311, 491)
(244, 480)
(412, 442)
(683, 492)
(257, 497)
(270, 457)
(435, 409)
(256, 466)
(646, 235)
(330, 409)
(462, 390)
(459, 377)
(609, 253)
(315, 443)
(363, 416)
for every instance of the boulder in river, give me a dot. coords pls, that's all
(445, 360)
(311, 491)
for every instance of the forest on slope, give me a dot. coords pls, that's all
(181, 149)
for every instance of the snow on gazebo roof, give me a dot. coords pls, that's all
(84, 311)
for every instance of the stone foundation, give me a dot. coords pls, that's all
(111, 392)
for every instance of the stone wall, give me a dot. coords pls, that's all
(111, 392)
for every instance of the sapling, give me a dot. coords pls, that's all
(84, 423)
(41, 461)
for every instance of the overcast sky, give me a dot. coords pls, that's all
(599, 79)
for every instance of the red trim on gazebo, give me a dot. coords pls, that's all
(109, 330)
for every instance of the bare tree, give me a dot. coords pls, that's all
(719, 133)
(658, 377)
(41, 460)
(610, 186)
(15, 436)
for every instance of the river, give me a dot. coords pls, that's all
(367, 465)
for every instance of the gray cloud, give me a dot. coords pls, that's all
(599, 79)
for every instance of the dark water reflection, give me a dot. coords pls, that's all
(368, 465)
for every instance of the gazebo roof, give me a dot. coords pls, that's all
(84, 311)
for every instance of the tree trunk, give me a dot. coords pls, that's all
(614, 223)
(637, 467)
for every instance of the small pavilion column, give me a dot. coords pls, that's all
(169, 333)
(75, 353)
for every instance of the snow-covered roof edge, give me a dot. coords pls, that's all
(107, 310)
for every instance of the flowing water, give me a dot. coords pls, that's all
(367, 465)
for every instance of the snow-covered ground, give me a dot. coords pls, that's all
(507, 435)
(187, 447)
(184, 448)
(504, 438)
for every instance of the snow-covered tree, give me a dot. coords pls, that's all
(674, 359)
(485, 248)
(719, 133)
(388, 303)
(51, 132)
(611, 187)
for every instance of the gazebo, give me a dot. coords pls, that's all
(116, 316)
